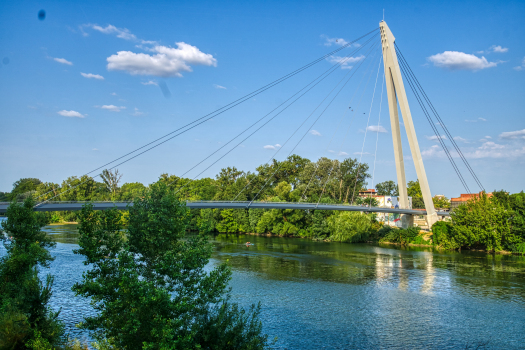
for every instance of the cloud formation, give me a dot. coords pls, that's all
(112, 108)
(71, 114)
(315, 133)
(168, 62)
(219, 86)
(376, 128)
(92, 76)
(137, 113)
(274, 147)
(499, 49)
(346, 62)
(435, 138)
(63, 61)
(455, 60)
(522, 67)
(513, 135)
(334, 41)
(151, 82)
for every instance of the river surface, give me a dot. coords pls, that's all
(318, 295)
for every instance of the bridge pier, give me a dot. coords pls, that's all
(407, 220)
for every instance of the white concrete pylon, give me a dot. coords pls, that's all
(396, 94)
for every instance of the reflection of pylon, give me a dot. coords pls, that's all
(396, 94)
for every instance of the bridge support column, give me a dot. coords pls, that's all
(397, 95)
(407, 220)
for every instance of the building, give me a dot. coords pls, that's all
(464, 198)
(367, 193)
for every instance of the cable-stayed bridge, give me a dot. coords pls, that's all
(395, 68)
(75, 206)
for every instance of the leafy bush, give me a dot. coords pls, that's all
(346, 226)
(402, 236)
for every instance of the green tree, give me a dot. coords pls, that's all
(482, 223)
(441, 203)
(151, 289)
(130, 190)
(346, 226)
(111, 179)
(387, 188)
(414, 189)
(25, 317)
(23, 187)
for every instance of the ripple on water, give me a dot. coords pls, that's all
(318, 295)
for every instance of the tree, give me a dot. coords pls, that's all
(346, 226)
(483, 222)
(441, 202)
(387, 188)
(23, 186)
(151, 289)
(26, 320)
(130, 190)
(111, 179)
(414, 189)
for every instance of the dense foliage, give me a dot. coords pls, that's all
(151, 289)
(491, 223)
(26, 321)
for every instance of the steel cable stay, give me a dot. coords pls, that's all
(276, 152)
(353, 117)
(440, 121)
(433, 126)
(364, 138)
(330, 71)
(377, 132)
(263, 125)
(315, 121)
(273, 156)
(327, 72)
(213, 114)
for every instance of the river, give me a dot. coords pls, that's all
(318, 295)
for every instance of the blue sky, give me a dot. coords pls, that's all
(83, 86)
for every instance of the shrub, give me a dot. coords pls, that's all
(346, 226)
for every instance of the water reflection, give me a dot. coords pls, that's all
(338, 296)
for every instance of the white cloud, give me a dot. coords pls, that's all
(361, 153)
(455, 60)
(499, 49)
(112, 108)
(95, 149)
(114, 94)
(168, 62)
(331, 151)
(219, 86)
(431, 152)
(72, 114)
(63, 61)
(476, 120)
(151, 82)
(110, 29)
(334, 41)
(376, 128)
(92, 76)
(274, 147)
(488, 149)
(345, 61)
(435, 138)
(122, 33)
(342, 153)
(509, 135)
(315, 133)
(522, 67)
(137, 113)
(459, 138)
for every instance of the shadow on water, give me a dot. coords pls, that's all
(319, 295)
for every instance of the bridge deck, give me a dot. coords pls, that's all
(74, 206)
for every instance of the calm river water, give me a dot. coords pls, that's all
(318, 295)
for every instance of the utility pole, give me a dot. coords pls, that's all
(397, 94)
